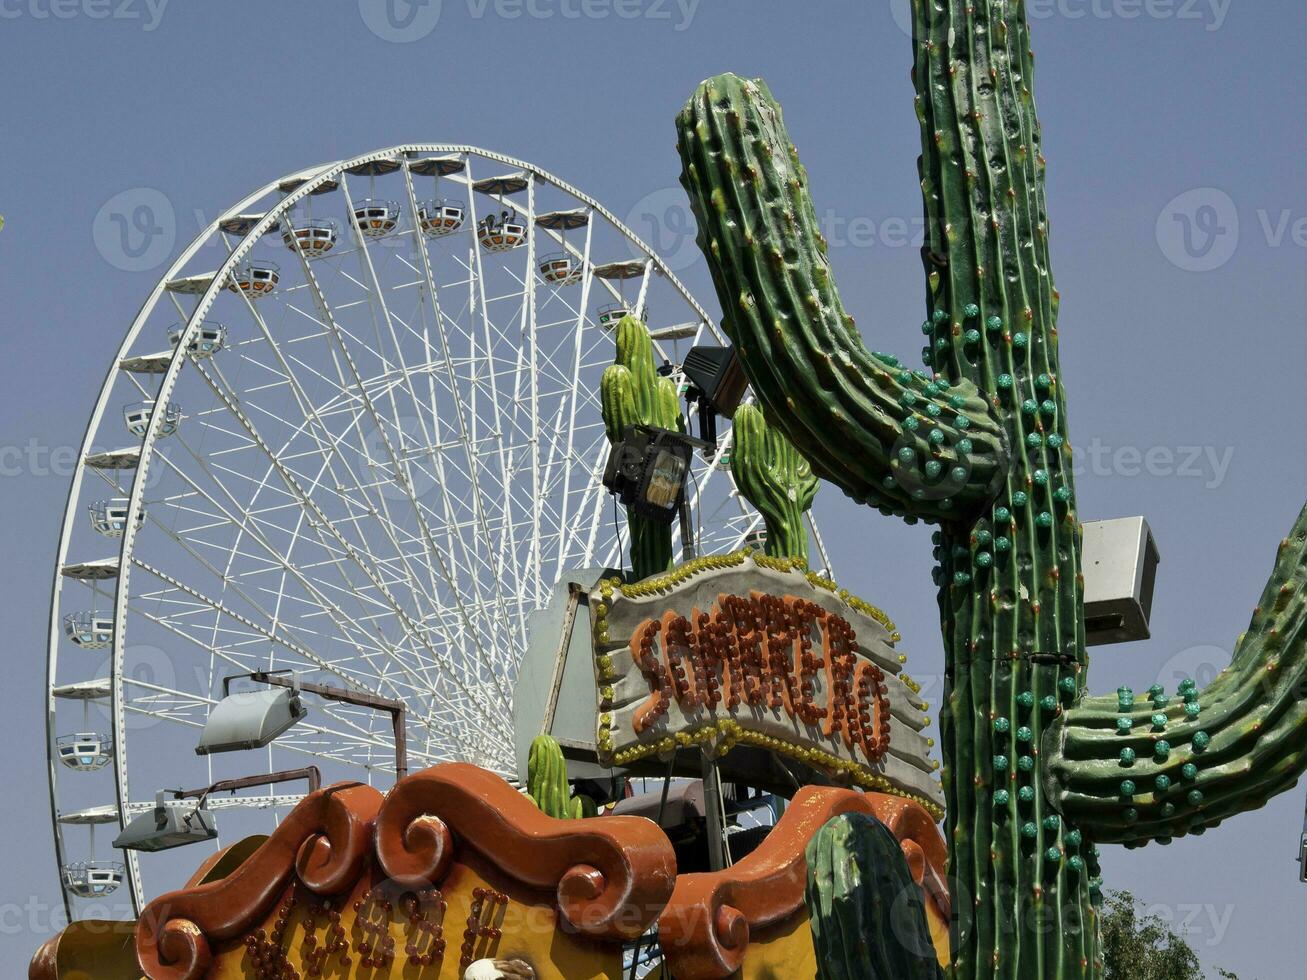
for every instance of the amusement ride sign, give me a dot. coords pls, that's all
(746, 649)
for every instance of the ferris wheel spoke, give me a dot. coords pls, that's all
(281, 560)
(318, 431)
(371, 509)
(478, 292)
(309, 657)
(464, 428)
(400, 469)
(578, 343)
(324, 525)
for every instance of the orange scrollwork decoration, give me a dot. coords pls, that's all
(706, 928)
(325, 842)
(611, 876)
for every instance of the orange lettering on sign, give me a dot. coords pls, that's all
(758, 652)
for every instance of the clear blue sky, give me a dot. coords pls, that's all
(1183, 319)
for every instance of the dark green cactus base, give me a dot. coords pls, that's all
(867, 915)
(773, 476)
(651, 546)
(633, 393)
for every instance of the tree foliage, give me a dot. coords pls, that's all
(1138, 945)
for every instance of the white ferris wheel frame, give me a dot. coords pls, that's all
(308, 182)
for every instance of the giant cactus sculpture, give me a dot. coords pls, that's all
(633, 393)
(774, 477)
(1035, 772)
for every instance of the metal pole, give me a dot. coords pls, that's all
(396, 708)
(712, 802)
(310, 773)
(687, 531)
(1302, 852)
(662, 808)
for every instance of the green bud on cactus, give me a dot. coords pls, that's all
(547, 784)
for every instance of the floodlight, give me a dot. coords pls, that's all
(717, 380)
(172, 823)
(250, 720)
(177, 822)
(647, 470)
(253, 719)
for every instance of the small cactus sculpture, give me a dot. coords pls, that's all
(1035, 772)
(774, 477)
(865, 911)
(547, 784)
(634, 394)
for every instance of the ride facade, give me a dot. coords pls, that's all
(739, 682)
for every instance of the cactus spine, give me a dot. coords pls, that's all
(634, 394)
(775, 478)
(980, 448)
(547, 784)
(865, 911)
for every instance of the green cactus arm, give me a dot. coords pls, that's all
(1227, 748)
(900, 440)
(774, 477)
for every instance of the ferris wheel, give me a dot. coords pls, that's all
(354, 433)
